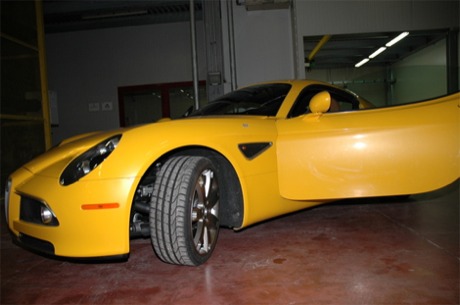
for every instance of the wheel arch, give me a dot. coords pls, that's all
(231, 194)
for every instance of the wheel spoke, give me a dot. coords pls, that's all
(198, 235)
(212, 222)
(206, 236)
(200, 193)
(205, 241)
(205, 222)
(213, 197)
(207, 175)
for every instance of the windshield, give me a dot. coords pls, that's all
(254, 100)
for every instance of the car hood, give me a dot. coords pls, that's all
(167, 134)
(66, 151)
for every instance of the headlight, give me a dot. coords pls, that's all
(88, 161)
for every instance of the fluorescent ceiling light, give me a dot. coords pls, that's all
(362, 62)
(380, 50)
(397, 38)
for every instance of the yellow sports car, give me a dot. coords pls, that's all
(256, 153)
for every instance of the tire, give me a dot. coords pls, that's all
(184, 211)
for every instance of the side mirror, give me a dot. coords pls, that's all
(320, 103)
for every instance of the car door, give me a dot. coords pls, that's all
(377, 152)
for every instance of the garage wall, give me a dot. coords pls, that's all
(86, 67)
(429, 67)
(417, 77)
(262, 44)
(368, 82)
(317, 17)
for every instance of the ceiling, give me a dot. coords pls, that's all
(342, 51)
(339, 51)
(64, 16)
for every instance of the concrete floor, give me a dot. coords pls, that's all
(372, 251)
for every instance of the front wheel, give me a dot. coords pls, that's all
(184, 211)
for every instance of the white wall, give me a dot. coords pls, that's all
(422, 75)
(320, 17)
(88, 66)
(263, 45)
(368, 83)
(419, 76)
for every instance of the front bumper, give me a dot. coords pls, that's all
(80, 232)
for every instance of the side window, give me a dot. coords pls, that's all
(341, 100)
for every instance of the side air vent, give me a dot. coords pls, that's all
(252, 150)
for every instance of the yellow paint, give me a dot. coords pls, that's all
(314, 158)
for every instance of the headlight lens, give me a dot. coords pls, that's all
(88, 161)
